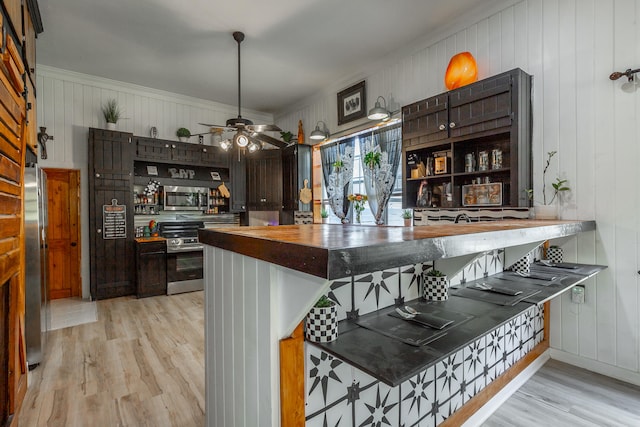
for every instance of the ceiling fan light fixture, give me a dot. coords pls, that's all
(253, 147)
(319, 134)
(378, 112)
(241, 140)
(225, 145)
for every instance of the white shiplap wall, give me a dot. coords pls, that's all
(69, 103)
(570, 47)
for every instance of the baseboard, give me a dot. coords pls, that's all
(482, 414)
(596, 366)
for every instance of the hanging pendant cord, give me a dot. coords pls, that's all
(239, 37)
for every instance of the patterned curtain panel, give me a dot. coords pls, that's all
(337, 169)
(382, 149)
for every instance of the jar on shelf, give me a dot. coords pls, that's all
(469, 162)
(496, 158)
(483, 161)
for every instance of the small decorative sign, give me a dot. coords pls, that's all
(180, 173)
(114, 221)
(152, 170)
(215, 176)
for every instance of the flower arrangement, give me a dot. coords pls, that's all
(358, 203)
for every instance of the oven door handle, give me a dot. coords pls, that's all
(179, 249)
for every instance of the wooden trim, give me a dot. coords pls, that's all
(292, 407)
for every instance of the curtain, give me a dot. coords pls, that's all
(379, 180)
(337, 170)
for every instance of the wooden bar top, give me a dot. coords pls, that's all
(333, 251)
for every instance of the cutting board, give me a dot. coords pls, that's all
(305, 193)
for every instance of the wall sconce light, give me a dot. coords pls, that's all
(318, 134)
(378, 112)
(43, 138)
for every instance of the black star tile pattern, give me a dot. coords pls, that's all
(431, 396)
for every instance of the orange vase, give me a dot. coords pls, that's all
(461, 71)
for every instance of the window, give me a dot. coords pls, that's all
(393, 212)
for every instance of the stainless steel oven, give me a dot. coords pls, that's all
(177, 198)
(184, 256)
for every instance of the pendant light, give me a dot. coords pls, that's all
(318, 134)
(378, 112)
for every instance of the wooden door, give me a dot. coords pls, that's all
(63, 233)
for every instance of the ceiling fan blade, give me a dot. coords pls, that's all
(263, 128)
(269, 140)
(218, 128)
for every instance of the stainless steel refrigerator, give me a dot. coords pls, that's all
(37, 312)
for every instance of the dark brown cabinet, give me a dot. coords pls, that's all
(296, 168)
(264, 181)
(470, 147)
(151, 268)
(152, 149)
(111, 245)
(238, 181)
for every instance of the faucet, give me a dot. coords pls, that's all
(462, 216)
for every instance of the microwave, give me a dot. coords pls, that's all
(177, 198)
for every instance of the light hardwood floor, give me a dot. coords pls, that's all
(140, 364)
(564, 395)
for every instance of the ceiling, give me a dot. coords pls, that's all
(292, 49)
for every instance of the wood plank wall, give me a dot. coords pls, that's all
(591, 121)
(16, 136)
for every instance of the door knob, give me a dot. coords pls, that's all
(74, 244)
(442, 127)
(452, 125)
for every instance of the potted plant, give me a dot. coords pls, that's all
(406, 215)
(372, 159)
(183, 134)
(337, 165)
(554, 254)
(322, 321)
(436, 286)
(324, 214)
(111, 112)
(548, 210)
(286, 136)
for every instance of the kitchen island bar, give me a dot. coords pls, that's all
(261, 281)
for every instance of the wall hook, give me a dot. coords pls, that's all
(43, 138)
(628, 73)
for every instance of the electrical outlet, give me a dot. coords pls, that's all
(577, 294)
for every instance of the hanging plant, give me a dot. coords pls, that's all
(338, 164)
(372, 159)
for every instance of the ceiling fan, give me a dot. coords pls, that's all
(247, 135)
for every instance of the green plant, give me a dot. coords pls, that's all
(435, 273)
(286, 136)
(111, 111)
(372, 159)
(324, 301)
(338, 164)
(324, 213)
(558, 186)
(407, 213)
(183, 133)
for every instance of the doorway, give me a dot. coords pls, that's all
(63, 233)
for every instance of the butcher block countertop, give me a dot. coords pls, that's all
(333, 251)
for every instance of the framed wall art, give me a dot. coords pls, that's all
(352, 103)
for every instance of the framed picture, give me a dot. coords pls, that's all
(352, 103)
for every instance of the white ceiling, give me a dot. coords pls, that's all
(292, 49)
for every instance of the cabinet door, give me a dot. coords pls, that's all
(238, 181)
(189, 153)
(290, 178)
(111, 260)
(214, 156)
(151, 269)
(480, 107)
(152, 149)
(426, 120)
(273, 181)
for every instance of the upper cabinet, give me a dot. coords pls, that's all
(470, 147)
(151, 149)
